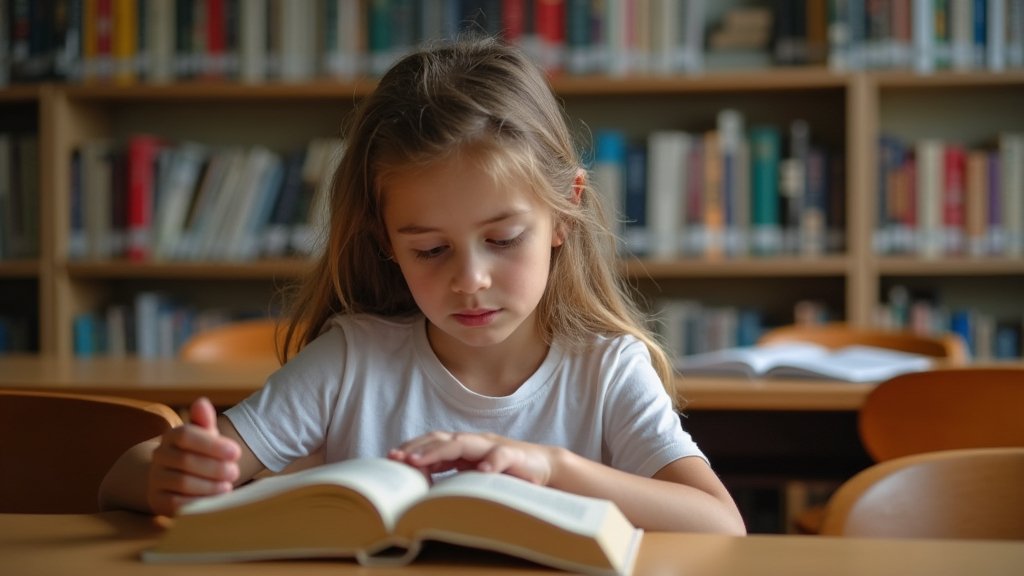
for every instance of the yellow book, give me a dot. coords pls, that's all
(125, 35)
(380, 512)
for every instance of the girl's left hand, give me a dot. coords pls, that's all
(441, 451)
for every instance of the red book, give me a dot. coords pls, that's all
(214, 60)
(550, 26)
(142, 155)
(513, 25)
(954, 193)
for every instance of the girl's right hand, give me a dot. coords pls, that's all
(192, 461)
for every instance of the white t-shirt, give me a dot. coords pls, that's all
(368, 383)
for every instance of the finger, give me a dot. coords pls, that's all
(174, 482)
(197, 464)
(191, 438)
(202, 414)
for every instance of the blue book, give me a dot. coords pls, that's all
(636, 233)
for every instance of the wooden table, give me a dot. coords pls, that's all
(110, 543)
(177, 383)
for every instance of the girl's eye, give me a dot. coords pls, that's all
(508, 242)
(431, 253)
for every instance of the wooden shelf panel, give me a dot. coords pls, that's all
(906, 79)
(20, 93)
(823, 266)
(951, 266)
(128, 270)
(19, 268)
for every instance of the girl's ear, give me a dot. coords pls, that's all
(579, 185)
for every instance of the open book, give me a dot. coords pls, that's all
(805, 359)
(379, 512)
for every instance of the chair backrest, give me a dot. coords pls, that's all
(943, 409)
(949, 347)
(244, 340)
(974, 493)
(56, 448)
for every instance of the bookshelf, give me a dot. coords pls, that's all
(849, 110)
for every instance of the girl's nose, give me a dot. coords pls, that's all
(471, 273)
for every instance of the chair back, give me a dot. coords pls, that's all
(974, 494)
(56, 448)
(950, 347)
(244, 340)
(943, 409)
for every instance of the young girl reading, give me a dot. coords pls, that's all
(465, 314)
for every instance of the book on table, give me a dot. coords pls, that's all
(381, 512)
(854, 363)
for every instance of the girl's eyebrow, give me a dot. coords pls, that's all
(418, 229)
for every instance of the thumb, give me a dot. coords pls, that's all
(202, 414)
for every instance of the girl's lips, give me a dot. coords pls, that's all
(476, 318)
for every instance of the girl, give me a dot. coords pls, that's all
(465, 314)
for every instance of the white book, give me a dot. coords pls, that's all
(248, 201)
(360, 508)
(805, 359)
(995, 41)
(216, 232)
(693, 26)
(96, 194)
(929, 192)
(160, 30)
(266, 197)
(1011, 166)
(924, 36)
(667, 151)
(176, 195)
(298, 42)
(961, 25)
(252, 41)
(344, 59)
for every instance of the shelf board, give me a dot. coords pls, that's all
(184, 91)
(755, 80)
(19, 268)
(951, 266)
(129, 270)
(790, 266)
(19, 93)
(947, 79)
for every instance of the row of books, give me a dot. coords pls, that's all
(926, 35)
(147, 199)
(127, 41)
(19, 195)
(688, 327)
(726, 191)
(989, 335)
(938, 198)
(153, 325)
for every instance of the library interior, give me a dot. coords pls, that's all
(818, 206)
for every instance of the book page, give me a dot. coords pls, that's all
(571, 512)
(750, 360)
(390, 486)
(856, 364)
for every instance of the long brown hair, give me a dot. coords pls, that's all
(481, 95)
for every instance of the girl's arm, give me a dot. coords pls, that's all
(204, 457)
(684, 496)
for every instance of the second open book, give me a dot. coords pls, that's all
(806, 359)
(368, 508)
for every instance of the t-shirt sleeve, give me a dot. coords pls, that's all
(287, 418)
(643, 432)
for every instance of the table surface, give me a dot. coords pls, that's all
(109, 543)
(177, 383)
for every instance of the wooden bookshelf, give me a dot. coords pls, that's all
(849, 110)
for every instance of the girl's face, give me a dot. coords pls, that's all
(475, 254)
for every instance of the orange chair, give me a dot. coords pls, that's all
(941, 409)
(244, 340)
(949, 347)
(972, 493)
(56, 448)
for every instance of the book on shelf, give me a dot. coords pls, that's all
(854, 363)
(381, 512)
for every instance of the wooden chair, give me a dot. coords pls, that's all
(949, 347)
(244, 340)
(972, 493)
(943, 409)
(56, 448)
